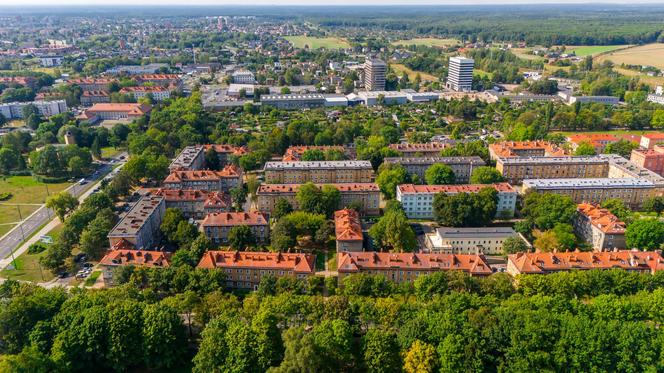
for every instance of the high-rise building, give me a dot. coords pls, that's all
(374, 74)
(460, 74)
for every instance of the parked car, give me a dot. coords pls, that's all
(80, 257)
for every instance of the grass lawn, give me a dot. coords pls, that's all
(400, 69)
(429, 42)
(28, 269)
(110, 152)
(300, 41)
(522, 53)
(482, 73)
(92, 278)
(653, 80)
(332, 260)
(591, 50)
(25, 191)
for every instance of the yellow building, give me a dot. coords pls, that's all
(323, 172)
(517, 169)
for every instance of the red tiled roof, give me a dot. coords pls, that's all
(130, 108)
(552, 262)
(157, 77)
(429, 146)
(22, 80)
(454, 188)
(199, 175)
(136, 257)
(601, 218)
(294, 153)
(342, 187)
(298, 263)
(347, 225)
(227, 148)
(350, 262)
(211, 199)
(654, 136)
(95, 94)
(92, 81)
(224, 219)
(143, 89)
(508, 148)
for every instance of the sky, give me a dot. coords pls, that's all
(93, 3)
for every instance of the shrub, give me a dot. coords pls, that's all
(5, 196)
(36, 248)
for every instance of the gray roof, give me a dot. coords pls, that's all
(486, 232)
(591, 183)
(431, 160)
(307, 165)
(594, 159)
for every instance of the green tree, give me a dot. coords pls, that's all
(585, 148)
(645, 234)
(185, 233)
(94, 238)
(654, 204)
(331, 198)
(309, 198)
(466, 209)
(388, 179)
(513, 245)
(313, 155)
(617, 207)
(281, 208)
(9, 160)
(486, 175)
(240, 237)
(547, 209)
(621, 147)
(170, 222)
(62, 204)
(380, 351)
(392, 232)
(239, 197)
(163, 337)
(439, 174)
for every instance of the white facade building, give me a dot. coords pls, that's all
(449, 240)
(14, 110)
(460, 74)
(244, 77)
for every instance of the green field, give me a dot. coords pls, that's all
(400, 69)
(28, 269)
(301, 41)
(25, 191)
(429, 42)
(110, 152)
(591, 50)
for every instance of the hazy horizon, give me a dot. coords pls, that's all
(164, 3)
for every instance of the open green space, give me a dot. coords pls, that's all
(302, 41)
(428, 42)
(591, 50)
(28, 269)
(92, 278)
(110, 152)
(26, 192)
(401, 69)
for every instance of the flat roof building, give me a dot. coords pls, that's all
(460, 74)
(318, 172)
(449, 240)
(294, 101)
(367, 195)
(375, 71)
(651, 159)
(462, 166)
(190, 158)
(140, 226)
(516, 169)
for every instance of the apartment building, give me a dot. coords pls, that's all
(649, 140)
(226, 179)
(123, 255)
(243, 77)
(406, 267)
(375, 71)
(163, 80)
(516, 169)
(140, 226)
(89, 98)
(191, 158)
(599, 141)
(632, 191)
(427, 150)
(460, 74)
(462, 166)
(245, 269)
(26, 81)
(93, 84)
(524, 149)
(651, 159)
(111, 111)
(367, 195)
(294, 153)
(151, 68)
(196, 204)
(417, 200)
(620, 167)
(348, 230)
(543, 263)
(217, 225)
(323, 172)
(599, 227)
(294, 101)
(14, 110)
(226, 151)
(488, 241)
(158, 93)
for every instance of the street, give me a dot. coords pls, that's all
(12, 240)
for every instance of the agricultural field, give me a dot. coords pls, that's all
(651, 80)
(399, 69)
(429, 42)
(649, 54)
(27, 192)
(300, 41)
(592, 50)
(523, 54)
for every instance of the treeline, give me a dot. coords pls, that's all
(449, 322)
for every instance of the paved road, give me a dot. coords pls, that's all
(13, 239)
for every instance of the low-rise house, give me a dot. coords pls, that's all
(226, 179)
(348, 230)
(196, 204)
(217, 225)
(245, 269)
(488, 241)
(111, 111)
(543, 263)
(406, 267)
(365, 195)
(226, 151)
(598, 226)
(140, 226)
(417, 200)
(118, 257)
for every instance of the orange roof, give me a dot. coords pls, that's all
(455, 188)
(157, 77)
(552, 262)
(95, 93)
(294, 153)
(511, 148)
(130, 108)
(227, 148)
(591, 137)
(601, 218)
(298, 263)
(429, 146)
(22, 80)
(209, 198)
(143, 89)
(351, 262)
(224, 219)
(654, 136)
(137, 258)
(199, 175)
(342, 187)
(347, 225)
(92, 81)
